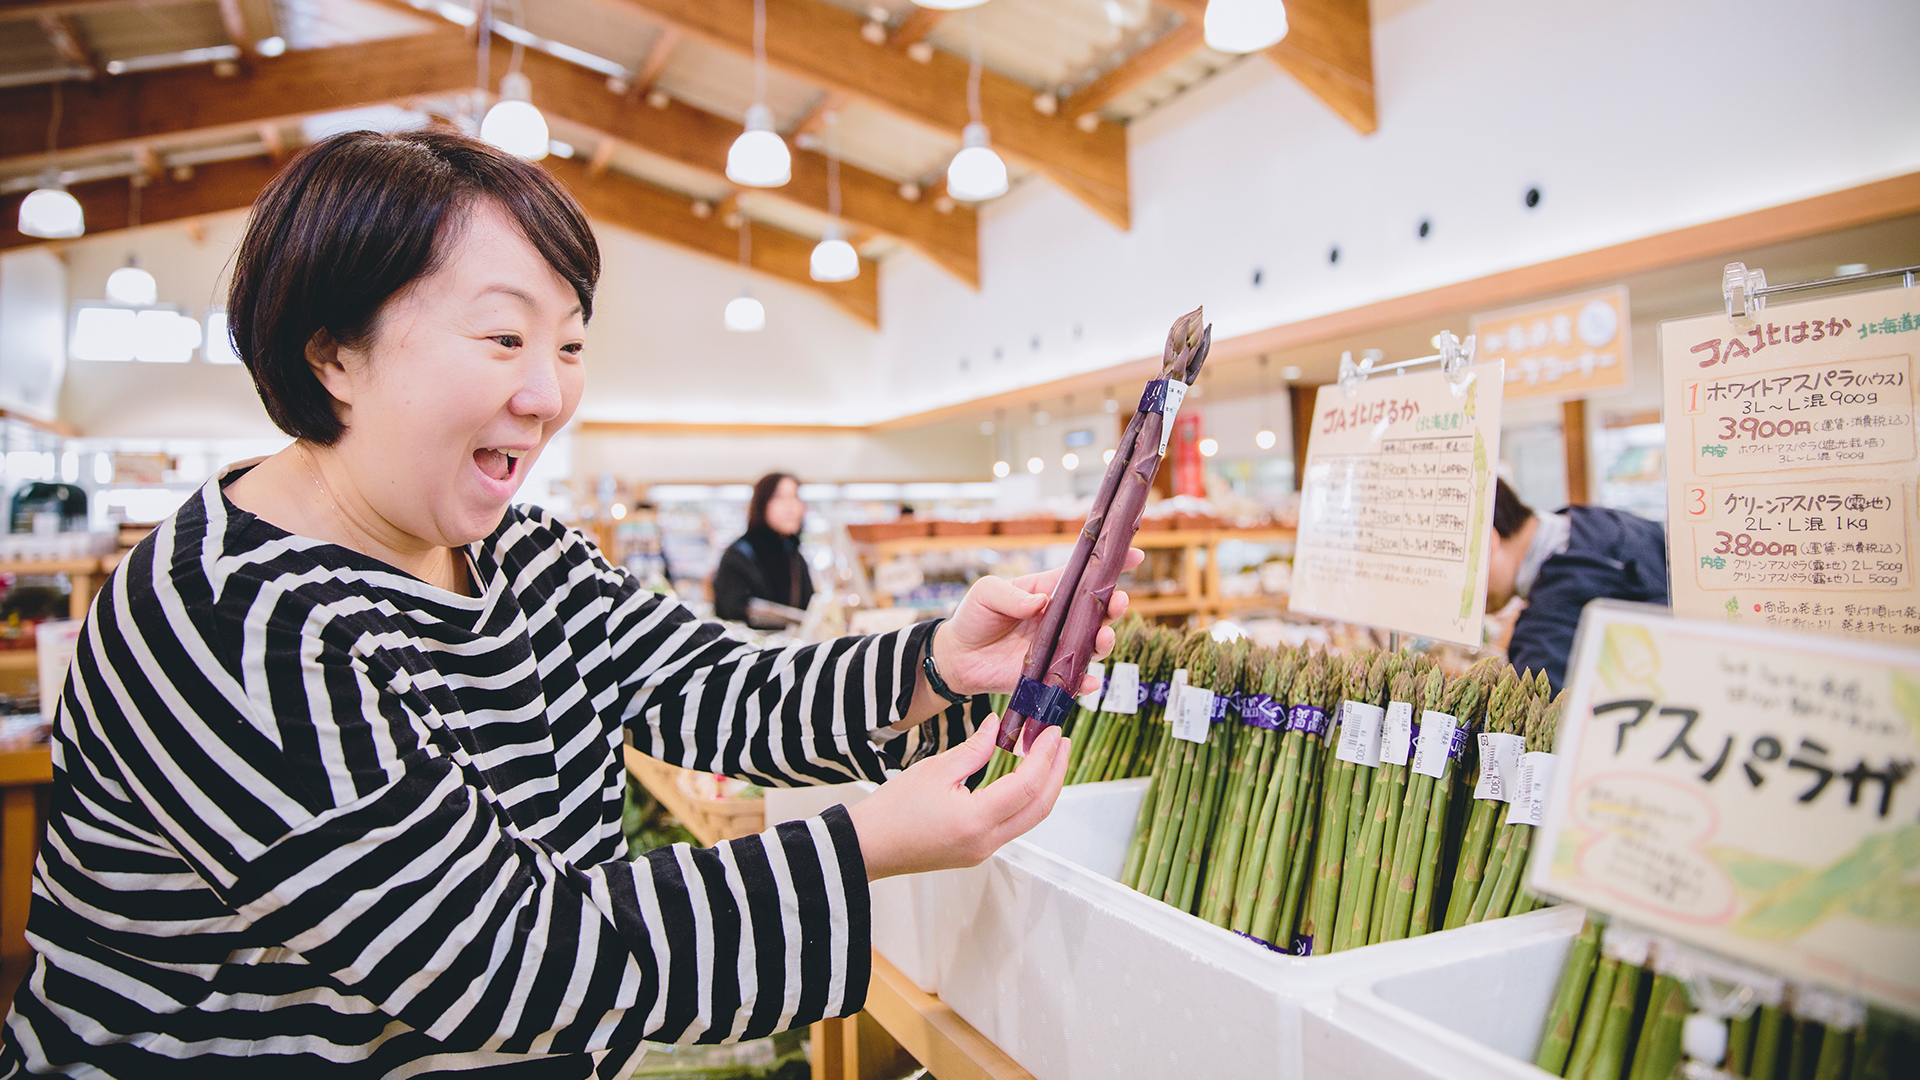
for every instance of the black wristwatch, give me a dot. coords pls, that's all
(933, 676)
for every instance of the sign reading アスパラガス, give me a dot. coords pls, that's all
(1396, 502)
(1792, 464)
(1749, 791)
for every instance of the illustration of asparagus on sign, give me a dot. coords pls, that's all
(1058, 658)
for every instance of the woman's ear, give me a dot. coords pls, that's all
(323, 356)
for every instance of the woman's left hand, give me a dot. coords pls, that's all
(983, 647)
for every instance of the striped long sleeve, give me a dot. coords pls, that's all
(311, 811)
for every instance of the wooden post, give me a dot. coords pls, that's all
(1303, 398)
(1573, 428)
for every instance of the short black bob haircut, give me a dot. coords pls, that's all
(353, 220)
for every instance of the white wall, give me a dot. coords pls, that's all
(33, 349)
(948, 452)
(1634, 118)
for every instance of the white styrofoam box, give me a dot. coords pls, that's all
(1077, 976)
(901, 929)
(1476, 1011)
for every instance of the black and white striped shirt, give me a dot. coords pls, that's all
(314, 813)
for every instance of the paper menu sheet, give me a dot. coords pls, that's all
(1397, 501)
(1746, 790)
(1792, 466)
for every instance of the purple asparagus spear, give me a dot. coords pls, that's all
(1180, 340)
(1087, 607)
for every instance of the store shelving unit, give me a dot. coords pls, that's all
(1197, 551)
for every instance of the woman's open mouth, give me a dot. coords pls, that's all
(497, 463)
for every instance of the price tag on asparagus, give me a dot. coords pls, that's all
(1061, 649)
(1397, 500)
(1748, 791)
(1791, 457)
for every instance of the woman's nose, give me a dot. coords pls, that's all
(539, 395)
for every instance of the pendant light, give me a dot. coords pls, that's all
(744, 314)
(1264, 438)
(50, 211)
(833, 258)
(759, 158)
(131, 285)
(949, 5)
(513, 124)
(1002, 466)
(1244, 26)
(976, 173)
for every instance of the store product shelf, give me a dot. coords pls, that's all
(1151, 538)
(709, 820)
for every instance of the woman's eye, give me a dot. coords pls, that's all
(508, 341)
(574, 348)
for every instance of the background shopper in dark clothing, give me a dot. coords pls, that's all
(1557, 562)
(765, 564)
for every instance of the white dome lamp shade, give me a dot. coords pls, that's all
(759, 157)
(745, 315)
(1244, 26)
(513, 124)
(833, 258)
(132, 286)
(50, 212)
(976, 173)
(949, 5)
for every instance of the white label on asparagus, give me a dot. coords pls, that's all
(1360, 733)
(1091, 701)
(1530, 804)
(1396, 739)
(1176, 392)
(1435, 742)
(1196, 714)
(1499, 766)
(1170, 712)
(1123, 689)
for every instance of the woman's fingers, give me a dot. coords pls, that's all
(1049, 774)
(971, 756)
(1006, 798)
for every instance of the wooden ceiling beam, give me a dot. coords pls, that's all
(137, 109)
(655, 63)
(1142, 67)
(1328, 48)
(71, 43)
(611, 199)
(631, 204)
(216, 187)
(913, 29)
(821, 43)
(700, 139)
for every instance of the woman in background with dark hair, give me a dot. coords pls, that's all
(765, 564)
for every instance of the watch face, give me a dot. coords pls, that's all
(1598, 323)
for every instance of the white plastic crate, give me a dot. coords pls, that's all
(1077, 976)
(1475, 1011)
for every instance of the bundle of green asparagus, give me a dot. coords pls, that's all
(1333, 803)
(1618, 1016)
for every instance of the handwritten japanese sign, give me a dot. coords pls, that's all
(1397, 502)
(1751, 791)
(1573, 347)
(1792, 464)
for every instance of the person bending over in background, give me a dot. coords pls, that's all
(765, 564)
(1557, 562)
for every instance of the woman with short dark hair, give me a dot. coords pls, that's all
(337, 777)
(765, 563)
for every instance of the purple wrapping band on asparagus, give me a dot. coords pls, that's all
(1181, 340)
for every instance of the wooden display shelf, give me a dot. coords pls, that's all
(19, 659)
(1199, 578)
(1145, 539)
(920, 1023)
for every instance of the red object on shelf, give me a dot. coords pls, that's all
(1189, 470)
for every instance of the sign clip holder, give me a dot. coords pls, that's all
(1746, 291)
(1455, 357)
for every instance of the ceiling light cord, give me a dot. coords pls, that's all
(760, 50)
(833, 165)
(53, 121)
(746, 242)
(973, 67)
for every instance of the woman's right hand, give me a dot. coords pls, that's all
(926, 819)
